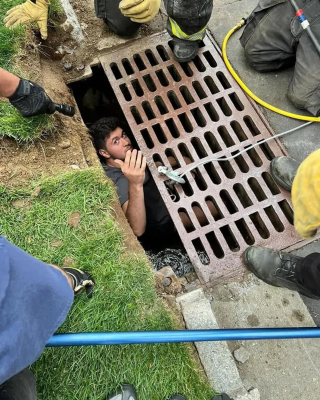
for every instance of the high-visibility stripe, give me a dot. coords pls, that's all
(176, 30)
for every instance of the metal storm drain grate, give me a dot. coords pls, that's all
(181, 114)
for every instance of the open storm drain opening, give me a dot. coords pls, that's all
(96, 99)
(181, 114)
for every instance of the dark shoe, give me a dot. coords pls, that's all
(283, 170)
(82, 280)
(185, 50)
(275, 268)
(177, 397)
(222, 396)
(126, 392)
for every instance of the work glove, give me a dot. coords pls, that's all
(30, 11)
(306, 196)
(30, 99)
(140, 10)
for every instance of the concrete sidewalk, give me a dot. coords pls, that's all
(271, 87)
(280, 369)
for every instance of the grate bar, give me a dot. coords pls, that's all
(191, 113)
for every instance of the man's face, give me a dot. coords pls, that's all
(117, 144)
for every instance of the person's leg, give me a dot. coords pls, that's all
(187, 23)
(112, 16)
(267, 39)
(286, 270)
(309, 273)
(20, 387)
(304, 89)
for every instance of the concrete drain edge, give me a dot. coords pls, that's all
(216, 358)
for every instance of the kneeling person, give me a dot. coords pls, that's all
(138, 194)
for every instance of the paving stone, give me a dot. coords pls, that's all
(216, 357)
(241, 355)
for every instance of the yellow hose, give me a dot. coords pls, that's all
(248, 91)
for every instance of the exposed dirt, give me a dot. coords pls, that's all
(68, 146)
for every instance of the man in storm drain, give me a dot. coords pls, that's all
(139, 197)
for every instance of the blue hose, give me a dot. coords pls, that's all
(111, 338)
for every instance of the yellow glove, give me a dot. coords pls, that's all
(29, 12)
(140, 10)
(306, 196)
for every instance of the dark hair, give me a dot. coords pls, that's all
(102, 129)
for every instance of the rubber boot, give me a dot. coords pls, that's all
(126, 392)
(185, 50)
(275, 268)
(283, 170)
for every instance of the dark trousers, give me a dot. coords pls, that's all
(273, 38)
(308, 273)
(20, 387)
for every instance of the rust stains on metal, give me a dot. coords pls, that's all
(181, 114)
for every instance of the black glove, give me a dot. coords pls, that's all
(30, 99)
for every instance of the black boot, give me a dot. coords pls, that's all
(185, 50)
(126, 392)
(177, 397)
(275, 268)
(283, 170)
(222, 396)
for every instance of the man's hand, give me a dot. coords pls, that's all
(140, 10)
(30, 99)
(134, 167)
(29, 11)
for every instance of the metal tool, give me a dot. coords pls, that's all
(65, 109)
(305, 25)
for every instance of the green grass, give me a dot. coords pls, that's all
(124, 299)
(11, 122)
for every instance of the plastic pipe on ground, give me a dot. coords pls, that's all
(112, 338)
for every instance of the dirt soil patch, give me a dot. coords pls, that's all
(69, 145)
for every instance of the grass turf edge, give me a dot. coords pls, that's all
(124, 300)
(12, 124)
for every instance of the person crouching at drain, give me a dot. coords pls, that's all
(274, 39)
(283, 269)
(187, 20)
(128, 392)
(138, 194)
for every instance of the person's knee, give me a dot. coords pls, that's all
(254, 57)
(296, 98)
(123, 26)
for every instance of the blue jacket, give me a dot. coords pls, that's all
(34, 301)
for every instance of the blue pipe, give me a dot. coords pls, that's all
(110, 338)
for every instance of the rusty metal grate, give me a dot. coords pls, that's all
(181, 114)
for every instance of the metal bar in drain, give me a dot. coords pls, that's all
(194, 111)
